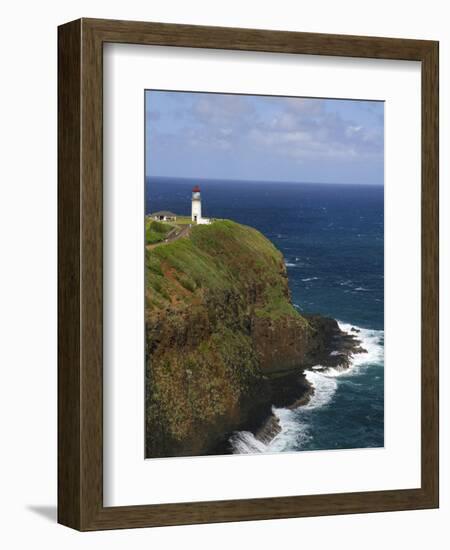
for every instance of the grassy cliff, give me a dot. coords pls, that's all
(219, 324)
(223, 256)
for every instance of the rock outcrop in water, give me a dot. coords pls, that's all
(224, 342)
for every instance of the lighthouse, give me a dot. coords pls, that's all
(197, 207)
(196, 204)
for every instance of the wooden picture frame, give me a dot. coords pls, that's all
(80, 271)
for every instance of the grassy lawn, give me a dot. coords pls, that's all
(183, 220)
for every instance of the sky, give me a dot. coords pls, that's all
(264, 138)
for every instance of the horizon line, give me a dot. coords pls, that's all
(263, 181)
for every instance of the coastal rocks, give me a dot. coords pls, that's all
(289, 390)
(330, 346)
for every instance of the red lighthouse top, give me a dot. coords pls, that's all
(196, 189)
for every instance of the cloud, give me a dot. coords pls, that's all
(220, 120)
(221, 109)
(281, 129)
(308, 129)
(210, 122)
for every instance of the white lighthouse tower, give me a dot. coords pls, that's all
(197, 207)
(196, 204)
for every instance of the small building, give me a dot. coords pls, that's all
(197, 207)
(164, 216)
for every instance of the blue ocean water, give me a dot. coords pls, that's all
(332, 238)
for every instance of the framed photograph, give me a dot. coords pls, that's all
(248, 274)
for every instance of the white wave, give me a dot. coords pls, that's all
(246, 443)
(289, 264)
(334, 372)
(371, 340)
(294, 429)
(310, 279)
(324, 388)
(362, 289)
(293, 433)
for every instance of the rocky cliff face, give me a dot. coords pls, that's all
(223, 341)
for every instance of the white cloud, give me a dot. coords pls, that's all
(295, 128)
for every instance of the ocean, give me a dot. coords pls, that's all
(332, 239)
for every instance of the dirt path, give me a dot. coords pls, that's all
(185, 232)
(172, 236)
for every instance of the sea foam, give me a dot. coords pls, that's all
(295, 429)
(371, 340)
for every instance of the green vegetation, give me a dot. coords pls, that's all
(275, 305)
(223, 256)
(183, 220)
(156, 232)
